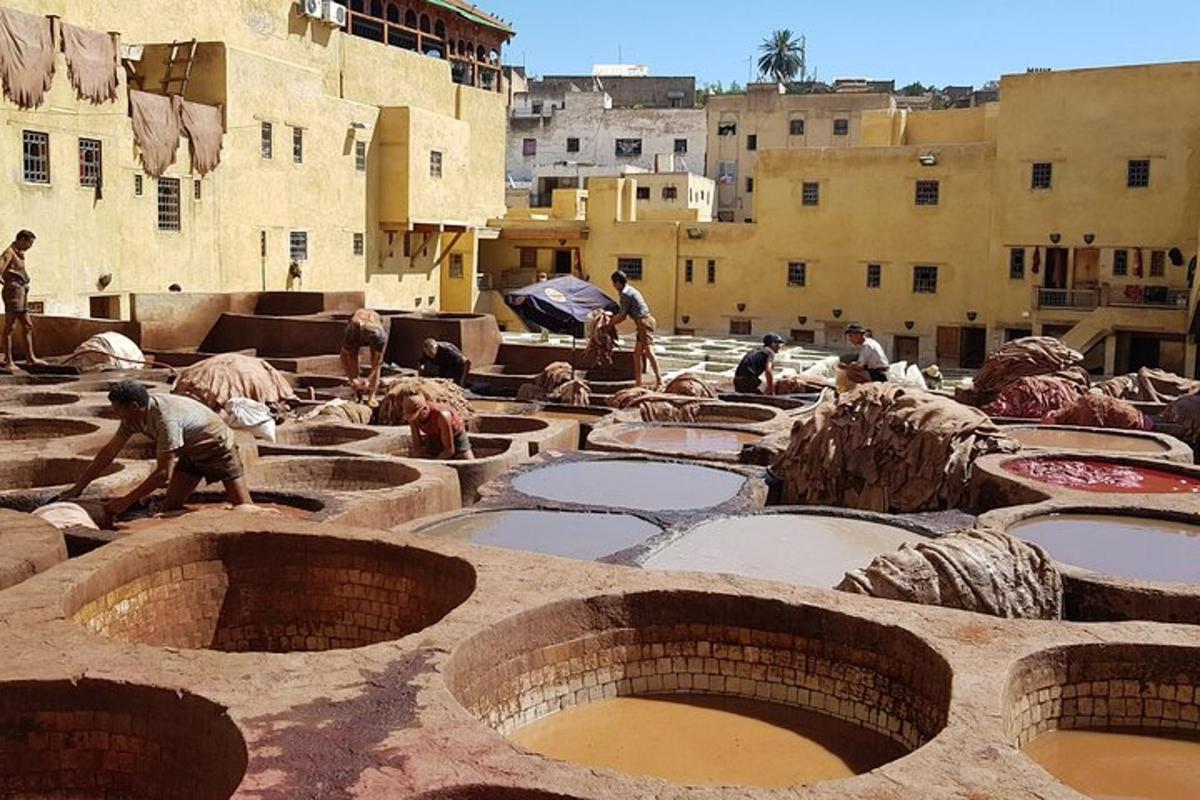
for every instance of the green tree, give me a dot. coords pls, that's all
(914, 89)
(782, 56)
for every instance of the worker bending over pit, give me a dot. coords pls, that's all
(870, 352)
(365, 329)
(634, 307)
(757, 366)
(443, 360)
(438, 430)
(187, 435)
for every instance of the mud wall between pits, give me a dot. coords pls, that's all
(276, 336)
(477, 335)
(181, 320)
(528, 359)
(59, 336)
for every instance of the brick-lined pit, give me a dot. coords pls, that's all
(322, 435)
(258, 592)
(37, 473)
(20, 429)
(1154, 687)
(334, 474)
(42, 399)
(99, 740)
(881, 678)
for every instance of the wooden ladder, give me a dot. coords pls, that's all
(181, 55)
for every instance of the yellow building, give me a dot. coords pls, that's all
(1058, 210)
(372, 151)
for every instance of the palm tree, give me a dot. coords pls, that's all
(782, 56)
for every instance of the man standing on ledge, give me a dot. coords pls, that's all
(15, 279)
(185, 433)
(758, 363)
(870, 352)
(365, 329)
(443, 360)
(633, 306)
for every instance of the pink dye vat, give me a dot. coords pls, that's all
(1103, 476)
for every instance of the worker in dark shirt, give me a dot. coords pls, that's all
(444, 360)
(756, 364)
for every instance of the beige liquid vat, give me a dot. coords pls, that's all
(709, 741)
(681, 439)
(1085, 440)
(1121, 765)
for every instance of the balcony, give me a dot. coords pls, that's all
(1073, 299)
(1128, 296)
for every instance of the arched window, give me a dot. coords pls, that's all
(424, 23)
(450, 44)
(462, 48)
(410, 19)
(481, 54)
(494, 56)
(393, 12)
(439, 29)
(377, 8)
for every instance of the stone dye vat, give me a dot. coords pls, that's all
(811, 549)
(272, 592)
(29, 482)
(587, 536)
(676, 441)
(274, 504)
(488, 406)
(670, 671)
(1099, 440)
(323, 434)
(1105, 477)
(100, 739)
(535, 434)
(42, 399)
(1121, 764)
(16, 430)
(30, 546)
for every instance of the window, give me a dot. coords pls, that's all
(435, 164)
(1016, 263)
(572, 144)
(741, 327)
(797, 273)
(712, 271)
(688, 271)
(91, 172)
(267, 143)
(359, 244)
(925, 280)
(643, 193)
(297, 145)
(628, 148)
(841, 127)
(1043, 171)
(168, 204)
(632, 267)
(810, 193)
(874, 276)
(1158, 261)
(298, 245)
(137, 185)
(669, 193)
(927, 193)
(528, 258)
(749, 185)
(1120, 262)
(529, 147)
(752, 142)
(36, 157)
(681, 146)
(796, 127)
(1139, 173)
(726, 172)
(537, 106)
(360, 156)
(456, 265)
(727, 129)
(196, 189)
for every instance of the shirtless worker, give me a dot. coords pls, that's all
(186, 434)
(633, 306)
(438, 431)
(15, 280)
(365, 329)
(870, 352)
(443, 360)
(758, 363)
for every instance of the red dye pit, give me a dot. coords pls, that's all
(1103, 476)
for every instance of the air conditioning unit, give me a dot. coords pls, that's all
(311, 8)
(483, 282)
(335, 13)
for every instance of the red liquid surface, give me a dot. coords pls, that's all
(1103, 476)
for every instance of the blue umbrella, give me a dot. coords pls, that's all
(560, 305)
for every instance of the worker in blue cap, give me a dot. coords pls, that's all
(758, 365)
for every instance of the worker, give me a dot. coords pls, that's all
(870, 352)
(365, 329)
(15, 280)
(295, 276)
(438, 431)
(187, 435)
(758, 363)
(633, 306)
(443, 360)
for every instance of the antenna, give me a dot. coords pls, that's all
(803, 59)
(619, 58)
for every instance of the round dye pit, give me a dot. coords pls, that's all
(805, 549)
(271, 505)
(1087, 475)
(41, 473)
(684, 439)
(273, 592)
(577, 416)
(568, 534)
(1143, 548)
(43, 399)
(95, 739)
(333, 474)
(1121, 764)
(625, 483)
(322, 435)
(18, 429)
(1097, 441)
(499, 406)
(508, 425)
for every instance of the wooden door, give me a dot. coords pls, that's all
(973, 348)
(1087, 268)
(1056, 268)
(562, 262)
(948, 342)
(908, 348)
(835, 335)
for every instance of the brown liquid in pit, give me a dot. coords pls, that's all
(709, 741)
(266, 509)
(497, 406)
(1121, 764)
(1085, 440)
(572, 415)
(683, 439)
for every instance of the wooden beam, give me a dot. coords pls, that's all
(425, 237)
(446, 250)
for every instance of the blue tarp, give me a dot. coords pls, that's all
(560, 305)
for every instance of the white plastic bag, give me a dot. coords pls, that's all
(250, 415)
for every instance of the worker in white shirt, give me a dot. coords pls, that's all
(870, 353)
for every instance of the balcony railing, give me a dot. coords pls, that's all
(1085, 299)
(1131, 296)
(465, 67)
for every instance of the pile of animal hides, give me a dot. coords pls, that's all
(435, 390)
(1150, 386)
(1185, 412)
(557, 383)
(689, 385)
(638, 402)
(215, 380)
(1095, 410)
(1027, 378)
(107, 350)
(602, 339)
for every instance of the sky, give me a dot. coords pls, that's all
(931, 41)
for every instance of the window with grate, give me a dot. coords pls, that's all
(643, 193)
(712, 271)
(138, 185)
(841, 127)
(36, 156)
(796, 127)
(925, 280)
(528, 258)
(670, 193)
(752, 142)
(628, 148)
(529, 147)
(1016, 263)
(810, 193)
(1043, 172)
(741, 327)
(435, 164)
(927, 193)
(456, 265)
(727, 129)
(168, 204)
(874, 276)
(196, 190)
(267, 143)
(749, 185)
(1120, 262)
(298, 245)
(797, 273)
(1139, 173)
(681, 146)
(632, 267)
(297, 145)
(360, 156)
(91, 163)
(689, 272)
(1158, 263)
(359, 244)
(572, 145)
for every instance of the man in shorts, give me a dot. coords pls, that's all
(438, 431)
(15, 280)
(365, 329)
(633, 306)
(188, 435)
(443, 360)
